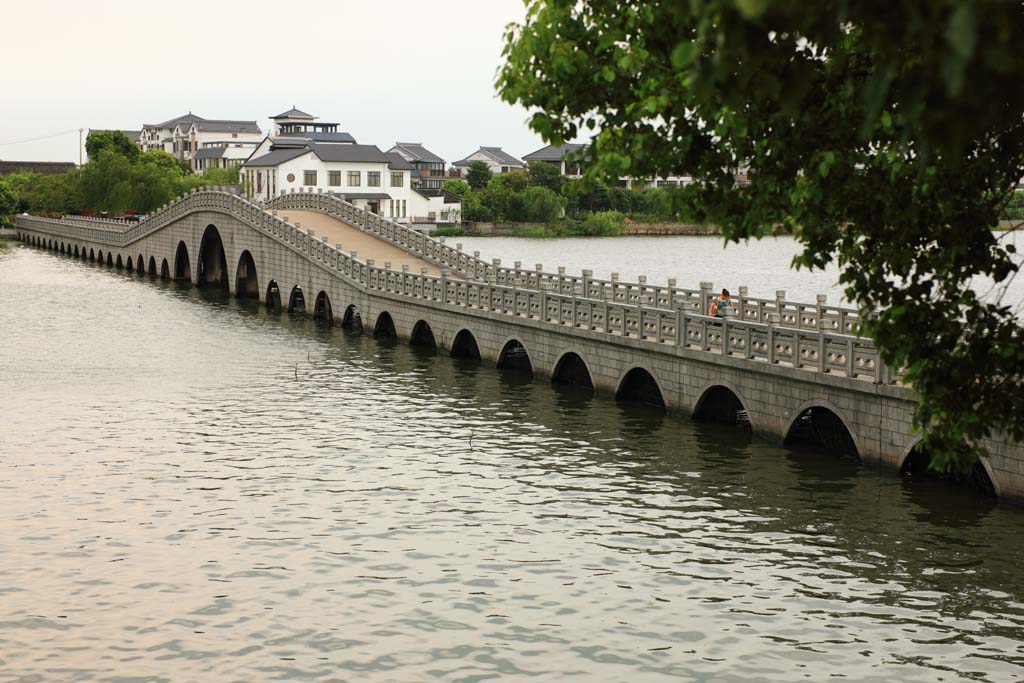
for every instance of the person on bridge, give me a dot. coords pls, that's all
(720, 305)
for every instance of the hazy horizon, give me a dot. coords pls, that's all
(396, 71)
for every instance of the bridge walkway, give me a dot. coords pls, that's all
(354, 239)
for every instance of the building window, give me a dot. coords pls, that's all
(354, 178)
(291, 177)
(309, 177)
(403, 208)
(334, 178)
(396, 179)
(373, 178)
(234, 135)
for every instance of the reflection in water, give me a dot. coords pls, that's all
(195, 489)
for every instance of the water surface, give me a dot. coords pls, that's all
(194, 490)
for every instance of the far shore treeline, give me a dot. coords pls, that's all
(118, 179)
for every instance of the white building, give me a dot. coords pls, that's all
(312, 159)
(186, 135)
(571, 157)
(496, 159)
(428, 168)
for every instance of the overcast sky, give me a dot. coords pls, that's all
(387, 70)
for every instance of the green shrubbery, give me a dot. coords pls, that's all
(117, 179)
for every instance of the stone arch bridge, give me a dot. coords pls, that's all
(787, 369)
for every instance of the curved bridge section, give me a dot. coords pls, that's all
(787, 370)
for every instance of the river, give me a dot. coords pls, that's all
(197, 490)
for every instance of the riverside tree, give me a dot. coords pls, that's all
(886, 135)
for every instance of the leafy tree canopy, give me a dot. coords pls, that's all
(542, 174)
(8, 202)
(114, 140)
(886, 135)
(478, 175)
(456, 186)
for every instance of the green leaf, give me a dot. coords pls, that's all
(684, 54)
(751, 9)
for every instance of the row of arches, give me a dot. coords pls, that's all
(817, 427)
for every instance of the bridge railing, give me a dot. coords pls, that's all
(800, 315)
(666, 328)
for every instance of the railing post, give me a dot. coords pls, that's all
(821, 299)
(780, 298)
(587, 275)
(705, 297)
(743, 302)
(671, 293)
(680, 321)
(773, 320)
(445, 274)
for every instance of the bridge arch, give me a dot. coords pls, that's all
(640, 385)
(119, 263)
(92, 255)
(152, 266)
(212, 265)
(182, 267)
(915, 463)
(246, 282)
(110, 260)
(273, 297)
(514, 356)
(384, 326)
(423, 336)
(322, 311)
(721, 402)
(351, 318)
(297, 301)
(140, 265)
(165, 270)
(62, 247)
(76, 251)
(129, 264)
(820, 424)
(464, 346)
(572, 369)
(99, 257)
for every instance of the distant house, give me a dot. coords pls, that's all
(185, 135)
(428, 168)
(568, 158)
(495, 158)
(303, 155)
(44, 167)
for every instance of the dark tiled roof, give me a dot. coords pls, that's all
(554, 152)
(278, 156)
(293, 113)
(353, 153)
(186, 118)
(133, 134)
(397, 163)
(418, 152)
(499, 156)
(44, 167)
(210, 153)
(224, 126)
(319, 136)
(449, 197)
(349, 196)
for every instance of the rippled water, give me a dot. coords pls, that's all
(193, 490)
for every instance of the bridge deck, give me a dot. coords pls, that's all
(354, 239)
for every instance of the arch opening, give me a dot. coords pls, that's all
(140, 265)
(129, 264)
(61, 247)
(297, 301)
(212, 265)
(273, 297)
(917, 468)
(110, 260)
(720, 404)
(152, 266)
(165, 270)
(76, 251)
(322, 311)
(572, 370)
(514, 356)
(821, 429)
(423, 336)
(351, 319)
(182, 268)
(464, 346)
(385, 326)
(92, 255)
(246, 283)
(99, 257)
(639, 386)
(119, 264)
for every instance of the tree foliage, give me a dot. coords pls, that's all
(114, 140)
(542, 174)
(478, 175)
(8, 203)
(886, 135)
(456, 187)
